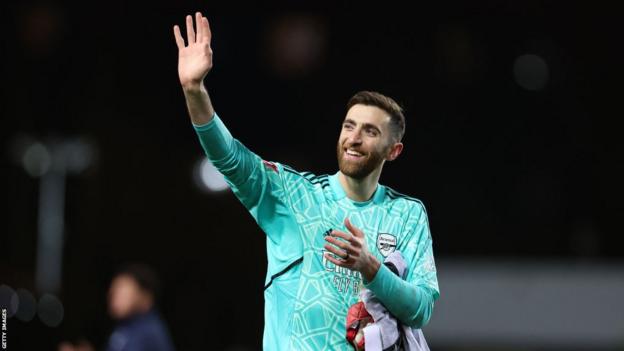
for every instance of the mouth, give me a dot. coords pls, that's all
(352, 155)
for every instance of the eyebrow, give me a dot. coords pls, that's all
(365, 125)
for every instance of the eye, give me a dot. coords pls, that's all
(371, 132)
(347, 126)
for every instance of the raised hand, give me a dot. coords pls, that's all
(195, 58)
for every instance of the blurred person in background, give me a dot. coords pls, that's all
(132, 304)
(327, 234)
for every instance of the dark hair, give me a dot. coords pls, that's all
(145, 277)
(372, 98)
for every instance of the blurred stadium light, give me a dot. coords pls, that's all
(52, 161)
(8, 299)
(531, 72)
(207, 177)
(50, 310)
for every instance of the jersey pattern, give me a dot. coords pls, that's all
(307, 296)
(326, 291)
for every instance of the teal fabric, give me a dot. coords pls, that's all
(306, 307)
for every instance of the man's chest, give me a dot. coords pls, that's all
(384, 227)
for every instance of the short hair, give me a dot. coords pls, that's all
(144, 276)
(373, 98)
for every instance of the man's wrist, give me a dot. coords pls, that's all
(370, 270)
(193, 87)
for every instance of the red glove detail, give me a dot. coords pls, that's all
(357, 319)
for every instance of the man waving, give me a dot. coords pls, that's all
(326, 234)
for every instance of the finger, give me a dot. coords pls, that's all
(340, 234)
(198, 26)
(190, 33)
(356, 232)
(178, 37)
(335, 261)
(350, 238)
(341, 244)
(206, 29)
(336, 251)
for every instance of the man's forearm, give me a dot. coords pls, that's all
(410, 303)
(198, 103)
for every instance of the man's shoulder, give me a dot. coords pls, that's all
(305, 177)
(411, 209)
(411, 203)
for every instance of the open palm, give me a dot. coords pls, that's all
(194, 59)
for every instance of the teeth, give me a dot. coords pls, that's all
(353, 153)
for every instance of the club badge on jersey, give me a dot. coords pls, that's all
(386, 243)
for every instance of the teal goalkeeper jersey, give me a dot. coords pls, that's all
(306, 296)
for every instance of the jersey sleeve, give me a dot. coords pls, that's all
(259, 185)
(411, 300)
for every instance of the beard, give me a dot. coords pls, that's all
(359, 169)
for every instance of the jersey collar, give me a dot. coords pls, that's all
(340, 194)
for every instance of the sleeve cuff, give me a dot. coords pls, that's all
(206, 126)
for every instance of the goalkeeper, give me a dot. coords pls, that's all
(325, 234)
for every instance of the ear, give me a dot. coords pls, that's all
(395, 151)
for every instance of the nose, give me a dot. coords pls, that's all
(355, 137)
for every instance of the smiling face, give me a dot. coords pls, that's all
(365, 141)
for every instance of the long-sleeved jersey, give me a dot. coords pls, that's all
(307, 296)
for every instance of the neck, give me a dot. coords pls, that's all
(144, 306)
(360, 190)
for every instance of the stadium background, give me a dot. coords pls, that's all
(509, 144)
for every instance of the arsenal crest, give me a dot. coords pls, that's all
(386, 243)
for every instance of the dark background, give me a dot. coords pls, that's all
(504, 171)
